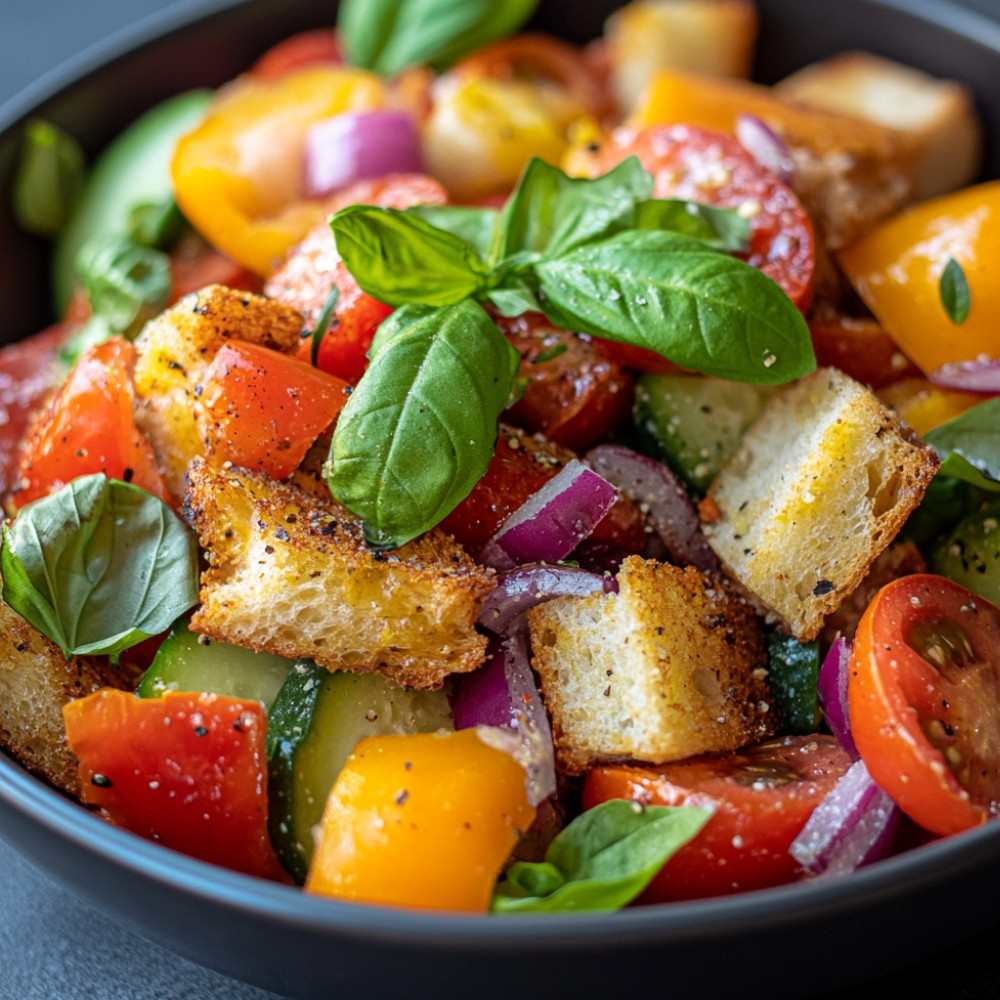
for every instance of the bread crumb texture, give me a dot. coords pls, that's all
(672, 665)
(289, 572)
(820, 485)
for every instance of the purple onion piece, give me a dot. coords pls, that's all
(520, 711)
(552, 521)
(765, 146)
(854, 825)
(358, 145)
(832, 688)
(970, 376)
(522, 588)
(662, 497)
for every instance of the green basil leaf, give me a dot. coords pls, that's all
(969, 445)
(99, 566)
(479, 227)
(792, 676)
(514, 299)
(323, 321)
(549, 213)
(722, 228)
(954, 291)
(50, 173)
(398, 258)
(387, 36)
(676, 296)
(127, 284)
(605, 858)
(419, 429)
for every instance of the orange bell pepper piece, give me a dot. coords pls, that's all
(422, 820)
(237, 175)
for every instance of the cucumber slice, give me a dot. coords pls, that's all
(970, 553)
(315, 723)
(182, 663)
(694, 423)
(134, 170)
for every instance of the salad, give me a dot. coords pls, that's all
(475, 473)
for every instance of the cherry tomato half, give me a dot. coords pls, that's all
(712, 168)
(924, 699)
(761, 796)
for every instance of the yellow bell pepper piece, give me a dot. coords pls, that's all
(924, 406)
(237, 176)
(422, 820)
(897, 270)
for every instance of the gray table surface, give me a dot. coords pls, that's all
(53, 946)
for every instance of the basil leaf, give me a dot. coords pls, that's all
(549, 213)
(721, 228)
(398, 258)
(969, 445)
(601, 861)
(418, 431)
(125, 282)
(387, 36)
(515, 299)
(792, 676)
(479, 227)
(50, 174)
(676, 296)
(99, 566)
(323, 321)
(954, 291)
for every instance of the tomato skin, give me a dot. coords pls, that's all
(929, 733)
(186, 770)
(762, 796)
(88, 427)
(712, 168)
(576, 397)
(319, 46)
(860, 348)
(520, 466)
(261, 410)
(422, 819)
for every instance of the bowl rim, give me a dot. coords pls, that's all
(927, 865)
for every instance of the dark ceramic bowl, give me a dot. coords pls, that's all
(789, 942)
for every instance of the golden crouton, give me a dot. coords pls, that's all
(820, 485)
(289, 572)
(670, 666)
(36, 680)
(174, 350)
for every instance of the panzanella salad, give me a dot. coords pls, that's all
(474, 472)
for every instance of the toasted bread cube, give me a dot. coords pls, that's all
(670, 666)
(174, 350)
(939, 114)
(820, 485)
(36, 680)
(716, 37)
(290, 573)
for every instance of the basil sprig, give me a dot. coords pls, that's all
(954, 291)
(99, 566)
(969, 445)
(387, 36)
(597, 256)
(601, 861)
(419, 429)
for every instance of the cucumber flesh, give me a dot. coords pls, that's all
(694, 423)
(183, 663)
(316, 721)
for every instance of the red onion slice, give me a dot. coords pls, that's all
(479, 701)
(764, 145)
(552, 521)
(832, 688)
(662, 497)
(854, 825)
(524, 587)
(359, 145)
(981, 376)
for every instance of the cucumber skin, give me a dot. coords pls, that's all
(135, 168)
(970, 553)
(316, 721)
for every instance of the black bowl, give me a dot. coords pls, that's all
(792, 941)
